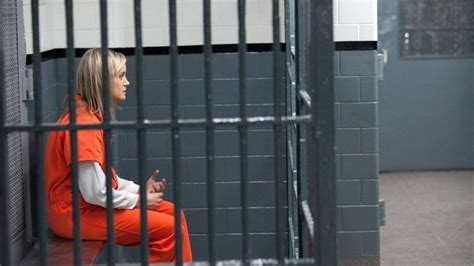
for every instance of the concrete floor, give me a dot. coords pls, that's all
(429, 218)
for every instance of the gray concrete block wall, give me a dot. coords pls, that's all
(357, 158)
(226, 140)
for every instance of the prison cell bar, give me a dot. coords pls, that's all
(277, 128)
(4, 189)
(141, 135)
(209, 132)
(155, 124)
(43, 224)
(292, 171)
(73, 133)
(243, 133)
(107, 132)
(175, 130)
(322, 93)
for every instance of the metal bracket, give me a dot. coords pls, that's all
(382, 212)
(28, 93)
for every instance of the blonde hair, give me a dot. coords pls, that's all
(89, 79)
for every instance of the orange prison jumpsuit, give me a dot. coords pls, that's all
(93, 217)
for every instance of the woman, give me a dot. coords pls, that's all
(91, 169)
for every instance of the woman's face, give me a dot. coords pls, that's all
(119, 86)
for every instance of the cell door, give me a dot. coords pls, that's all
(426, 97)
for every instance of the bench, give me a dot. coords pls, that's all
(61, 252)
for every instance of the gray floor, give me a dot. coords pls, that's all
(429, 218)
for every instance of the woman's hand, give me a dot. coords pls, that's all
(155, 186)
(153, 200)
(154, 191)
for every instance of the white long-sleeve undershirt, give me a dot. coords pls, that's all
(93, 189)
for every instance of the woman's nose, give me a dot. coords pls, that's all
(126, 82)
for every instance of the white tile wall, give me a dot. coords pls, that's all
(354, 20)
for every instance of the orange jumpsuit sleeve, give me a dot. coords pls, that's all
(90, 146)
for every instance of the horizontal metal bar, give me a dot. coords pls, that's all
(160, 124)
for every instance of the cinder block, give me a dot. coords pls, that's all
(348, 192)
(226, 111)
(61, 93)
(360, 218)
(226, 91)
(191, 92)
(253, 65)
(368, 89)
(197, 220)
(349, 244)
(156, 67)
(191, 112)
(155, 92)
(227, 143)
(261, 168)
(267, 199)
(346, 89)
(266, 64)
(191, 66)
(369, 139)
(338, 166)
(264, 245)
(195, 169)
(336, 63)
(229, 65)
(261, 220)
(348, 141)
(261, 142)
(199, 245)
(370, 192)
(261, 110)
(371, 244)
(48, 73)
(363, 166)
(122, 144)
(228, 195)
(126, 113)
(358, 63)
(337, 115)
(158, 144)
(158, 112)
(338, 218)
(260, 91)
(128, 169)
(193, 143)
(359, 115)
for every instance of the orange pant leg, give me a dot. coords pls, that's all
(161, 231)
(167, 207)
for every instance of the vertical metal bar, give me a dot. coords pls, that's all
(209, 132)
(322, 95)
(5, 249)
(243, 131)
(141, 135)
(72, 120)
(278, 128)
(107, 132)
(43, 222)
(175, 130)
